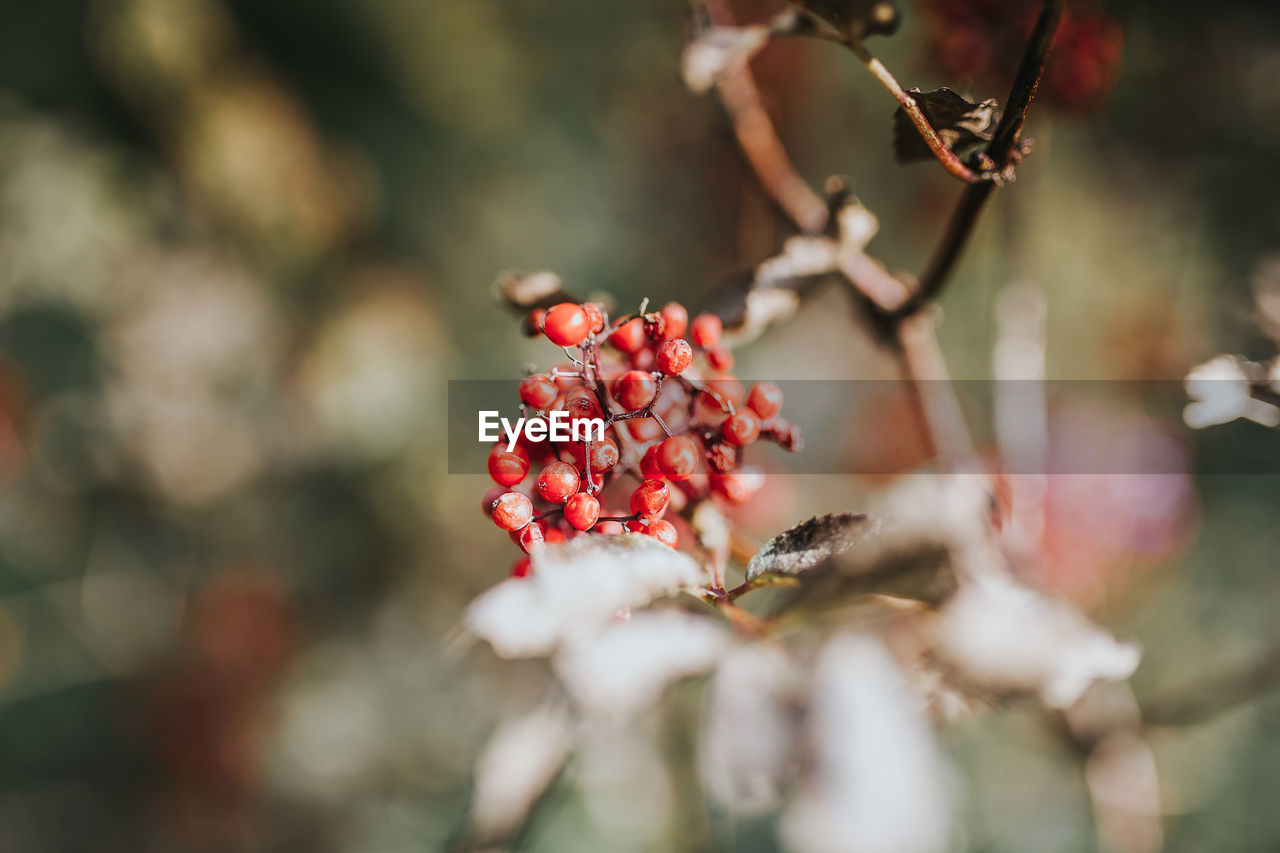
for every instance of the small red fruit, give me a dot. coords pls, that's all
(650, 497)
(582, 510)
(677, 320)
(634, 390)
(490, 497)
(603, 456)
(512, 510)
(530, 537)
(649, 463)
(664, 532)
(636, 526)
(705, 330)
(522, 568)
(566, 324)
(609, 527)
(644, 429)
(595, 316)
(508, 467)
(629, 337)
(677, 457)
(674, 356)
(539, 391)
(532, 325)
(557, 482)
(720, 358)
(741, 429)
(765, 399)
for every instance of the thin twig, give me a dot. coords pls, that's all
(927, 376)
(1002, 149)
(953, 164)
(759, 139)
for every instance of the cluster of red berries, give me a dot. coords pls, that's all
(982, 41)
(673, 431)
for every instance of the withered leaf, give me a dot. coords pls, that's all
(808, 543)
(523, 291)
(959, 122)
(857, 18)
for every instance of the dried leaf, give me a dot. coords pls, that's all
(629, 665)
(856, 17)
(516, 767)
(524, 291)
(808, 543)
(876, 783)
(998, 635)
(575, 589)
(718, 51)
(748, 739)
(960, 123)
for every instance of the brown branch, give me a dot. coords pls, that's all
(759, 140)
(1002, 150)
(926, 374)
(953, 164)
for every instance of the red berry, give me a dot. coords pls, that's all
(557, 482)
(644, 429)
(530, 537)
(582, 510)
(609, 528)
(649, 463)
(721, 458)
(595, 316)
(555, 536)
(705, 330)
(522, 568)
(720, 358)
(650, 497)
(655, 326)
(532, 325)
(512, 510)
(664, 532)
(677, 457)
(642, 359)
(490, 497)
(727, 390)
(603, 456)
(674, 356)
(677, 320)
(539, 391)
(566, 324)
(629, 337)
(508, 467)
(634, 390)
(636, 526)
(738, 486)
(741, 429)
(765, 399)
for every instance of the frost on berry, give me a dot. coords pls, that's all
(574, 589)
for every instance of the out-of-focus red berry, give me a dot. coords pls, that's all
(664, 532)
(634, 390)
(508, 467)
(677, 320)
(677, 457)
(741, 428)
(629, 337)
(765, 399)
(539, 391)
(705, 331)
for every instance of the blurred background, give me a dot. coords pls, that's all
(244, 246)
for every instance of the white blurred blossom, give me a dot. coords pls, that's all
(876, 784)
(748, 740)
(516, 766)
(627, 666)
(575, 589)
(997, 635)
(717, 52)
(1221, 391)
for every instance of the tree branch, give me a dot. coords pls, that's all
(759, 140)
(1002, 150)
